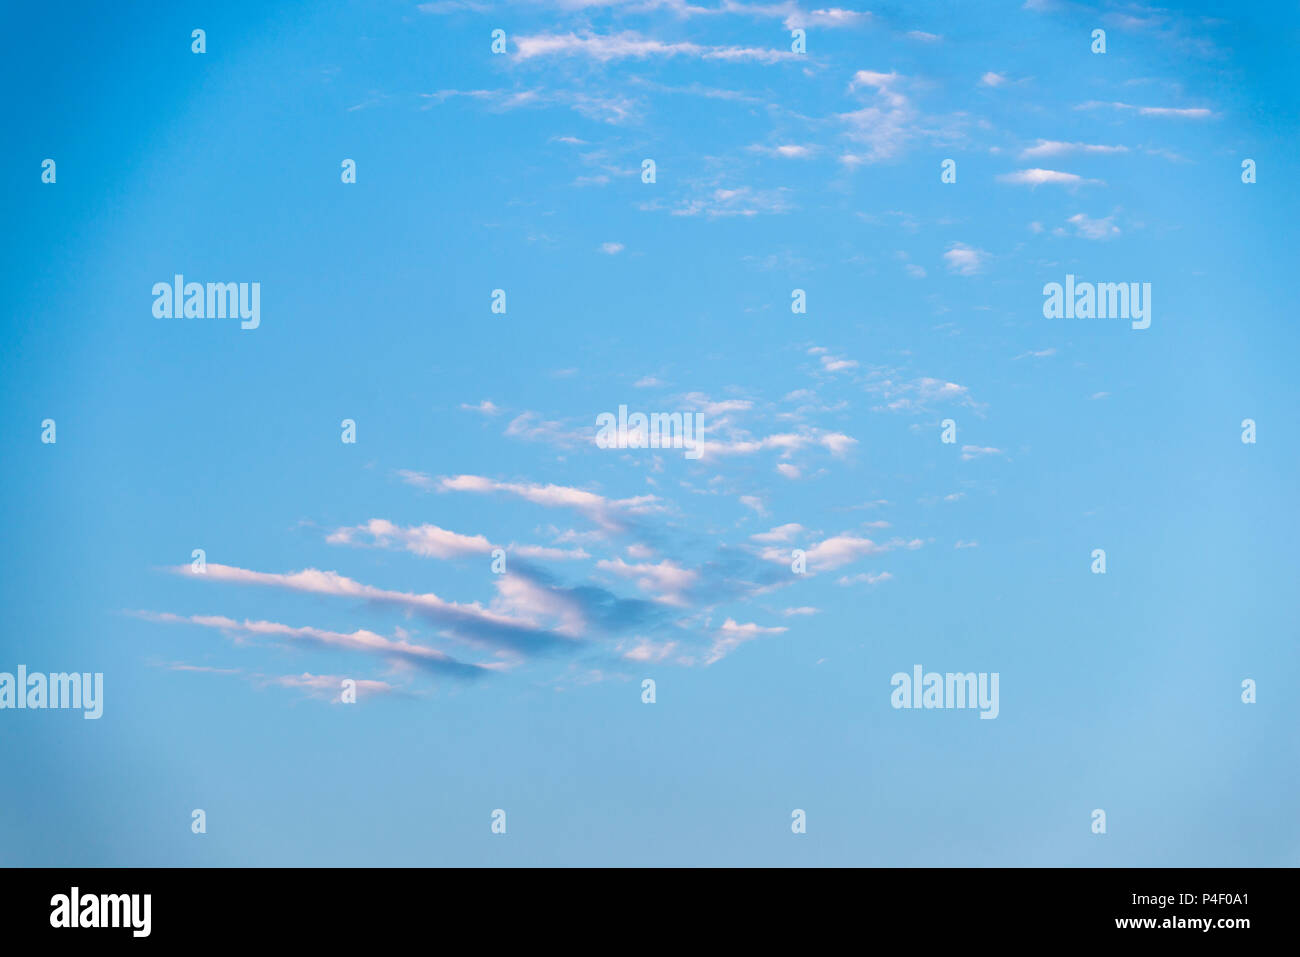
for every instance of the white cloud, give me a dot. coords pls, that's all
(1039, 177)
(630, 44)
(716, 407)
(429, 541)
(398, 649)
(733, 634)
(666, 581)
(647, 651)
(828, 17)
(611, 249)
(837, 443)
(785, 151)
(531, 427)
(1058, 148)
(916, 395)
(782, 533)
(1090, 228)
(831, 553)
(965, 260)
(865, 578)
(832, 363)
(886, 125)
(732, 201)
(1190, 113)
(608, 513)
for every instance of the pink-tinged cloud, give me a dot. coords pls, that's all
(1040, 177)
(666, 581)
(360, 640)
(733, 634)
(470, 621)
(838, 550)
(432, 541)
(632, 45)
(610, 514)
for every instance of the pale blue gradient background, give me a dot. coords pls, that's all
(1119, 692)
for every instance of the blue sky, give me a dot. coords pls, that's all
(775, 171)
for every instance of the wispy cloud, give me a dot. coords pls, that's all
(886, 124)
(399, 650)
(611, 514)
(965, 260)
(1090, 228)
(630, 44)
(470, 621)
(1189, 113)
(784, 150)
(323, 687)
(1046, 148)
(838, 550)
(1040, 177)
(733, 634)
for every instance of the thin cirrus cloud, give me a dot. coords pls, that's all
(1045, 148)
(837, 443)
(325, 687)
(832, 363)
(832, 17)
(433, 541)
(470, 621)
(784, 150)
(839, 550)
(1188, 113)
(630, 44)
(732, 634)
(885, 125)
(916, 395)
(965, 260)
(1041, 177)
(864, 578)
(1090, 228)
(782, 533)
(399, 650)
(647, 651)
(667, 581)
(610, 514)
(605, 108)
(727, 201)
